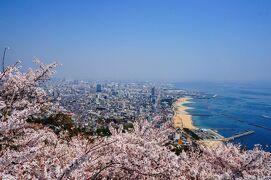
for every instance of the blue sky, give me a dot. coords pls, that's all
(172, 40)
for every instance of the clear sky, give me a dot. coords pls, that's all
(169, 40)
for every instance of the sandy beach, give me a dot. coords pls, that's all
(181, 118)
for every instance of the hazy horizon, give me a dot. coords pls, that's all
(176, 41)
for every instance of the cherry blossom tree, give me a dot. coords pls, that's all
(34, 151)
(22, 96)
(141, 154)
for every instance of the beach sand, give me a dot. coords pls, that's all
(181, 118)
(210, 143)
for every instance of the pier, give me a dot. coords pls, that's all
(238, 135)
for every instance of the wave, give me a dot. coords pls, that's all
(266, 116)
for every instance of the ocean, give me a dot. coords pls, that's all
(233, 108)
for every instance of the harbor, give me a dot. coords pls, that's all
(186, 133)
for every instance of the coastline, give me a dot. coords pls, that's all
(181, 118)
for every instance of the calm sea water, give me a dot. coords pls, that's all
(233, 108)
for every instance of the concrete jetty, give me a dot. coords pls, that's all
(238, 135)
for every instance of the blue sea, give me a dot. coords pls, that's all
(232, 108)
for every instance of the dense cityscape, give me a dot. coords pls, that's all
(95, 105)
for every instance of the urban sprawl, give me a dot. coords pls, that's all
(93, 106)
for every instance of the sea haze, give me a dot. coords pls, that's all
(233, 108)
